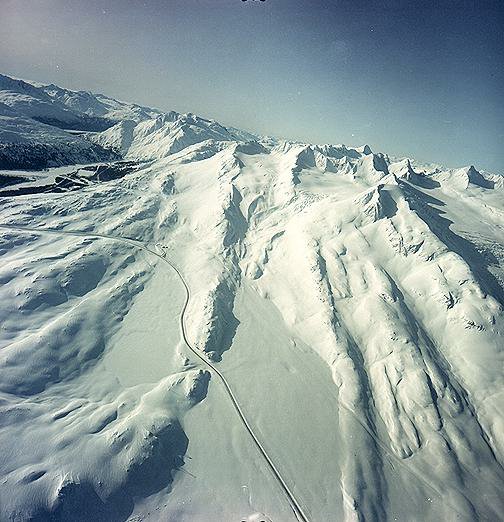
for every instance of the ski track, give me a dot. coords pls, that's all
(294, 503)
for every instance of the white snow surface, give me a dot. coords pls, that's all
(247, 329)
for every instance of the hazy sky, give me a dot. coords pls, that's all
(421, 78)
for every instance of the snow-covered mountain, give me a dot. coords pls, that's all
(46, 126)
(202, 324)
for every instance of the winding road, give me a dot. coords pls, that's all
(295, 505)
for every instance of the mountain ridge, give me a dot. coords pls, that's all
(71, 110)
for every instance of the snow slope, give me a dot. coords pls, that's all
(224, 327)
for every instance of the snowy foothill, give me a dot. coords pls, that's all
(202, 324)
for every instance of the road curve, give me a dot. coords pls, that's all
(296, 508)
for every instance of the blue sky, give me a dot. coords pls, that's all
(424, 79)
